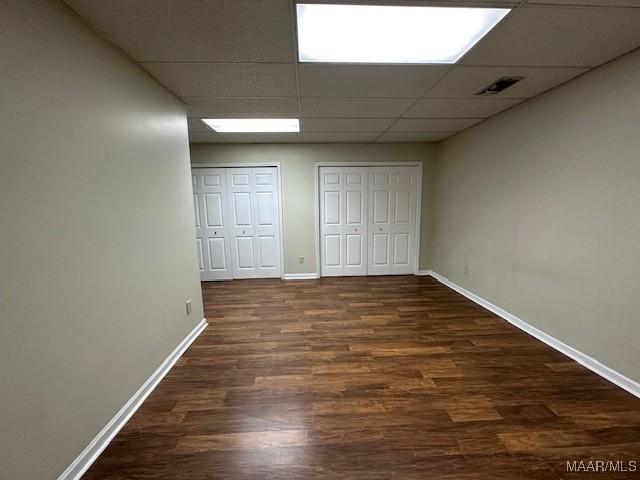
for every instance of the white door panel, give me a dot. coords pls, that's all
(392, 223)
(403, 206)
(401, 249)
(210, 219)
(237, 220)
(367, 220)
(217, 254)
(380, 250)
(212, 177)
(200, 254)
(330, 178)
(354, 178)
(256, 222)
(405, 219)
(196, 210)
(244, 252)
(213, 205)
(265, 202)
(381, 176)
(268, 253)
(266, 221)
(354, 207)
(241, 202)
(264, 179)
(343, 225)
(333, 254)
(332, 208)
(240, 179)
(353, 254)
(380, 207)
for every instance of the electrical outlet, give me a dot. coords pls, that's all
(466, 269)
(300, 259)
(188, 304)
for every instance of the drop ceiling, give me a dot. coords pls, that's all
(237, 59)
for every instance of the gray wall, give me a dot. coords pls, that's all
(542, 203)
(297, 171)
(97, 252)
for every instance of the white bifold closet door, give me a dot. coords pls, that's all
(237, 219)
(254, 222)
(392, 220)
(343, 220)
(211, 220)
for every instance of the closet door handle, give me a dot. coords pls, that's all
(243, 232)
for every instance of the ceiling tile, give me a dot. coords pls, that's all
(198, 126)
(212, 137)
(237, 107)
(459, 107)
(226, 79)
(263, 137)
(466, 81)
(319, 80)
(414, 136)
(556, 36)
(194, 30)
(354, 107)
(433, 124)
(346, 124)
(339, 137)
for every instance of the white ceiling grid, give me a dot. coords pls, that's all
(238, 59)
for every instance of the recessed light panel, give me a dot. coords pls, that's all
(263, 125)
(390, 34)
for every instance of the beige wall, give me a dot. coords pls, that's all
(542, 203)
(297, 170)
(97, 250)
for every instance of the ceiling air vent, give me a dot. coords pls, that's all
(499, 85)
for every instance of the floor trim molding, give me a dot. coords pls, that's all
(300, 276)
(89, 455)
(583, 359)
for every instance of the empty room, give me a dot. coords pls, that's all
(317, 239)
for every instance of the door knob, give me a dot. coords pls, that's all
(243, 232)
(380, 228)
(215, 233)
(356, 229)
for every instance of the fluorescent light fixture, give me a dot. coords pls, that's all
(390, 34)
(265, 125)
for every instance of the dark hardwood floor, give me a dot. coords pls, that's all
(370, 378)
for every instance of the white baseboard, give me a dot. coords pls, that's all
(300, 276)
(583, 359)
(100, 442)
(424, 273)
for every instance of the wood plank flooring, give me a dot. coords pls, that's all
(371, 378)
